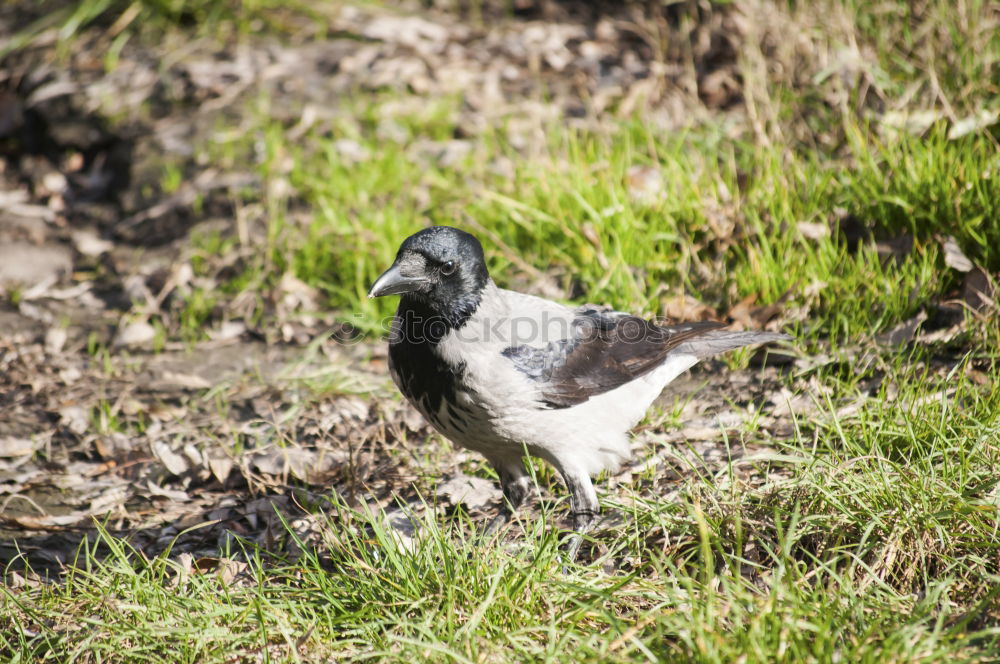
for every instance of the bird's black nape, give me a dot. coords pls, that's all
(440, 271)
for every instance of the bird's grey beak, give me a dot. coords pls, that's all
(394, 282)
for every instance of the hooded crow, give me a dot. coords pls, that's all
(500, 372)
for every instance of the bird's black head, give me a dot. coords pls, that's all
(440, 267)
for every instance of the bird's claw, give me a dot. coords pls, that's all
(573, 544)
(498, 522)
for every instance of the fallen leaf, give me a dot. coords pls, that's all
(11, 446)
(472, 492)
(645, 184)
(953, 255)
(740, 312)
(70, 375)
(296, 295)
(175, 463)
(898, 248)
(227, 568)
(227, 331)
(686, 308)
(304, 464)
(32, 265)
(813, 230)
(912, 122)
(221, 467)
(17, 582)
(55, 339)
(979, 290)
(163, 492)
(132, 335)
(351, 152)
(184, 565)
(88, 243)
(186, 381)
(903, 332)
(166, 412)
(50, 521)
(973, 123)
(413, 31)
(404, 526)
(447, 154)
(109, 499)
(75, 418)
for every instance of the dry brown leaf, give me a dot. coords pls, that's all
(16, 581)
(645, 184)
(227, 569)
(915, 122)
(55, 339)
(134, 335)
(108, 500)
(221, 467)
(12, 446)
(953, 255)
(175, 495)
(176, 463)
(813, 230)
(897, 248)
(979, 290)
(165, 412)
(74, 418)
(472, 492)
(50, 521)
(403, 524)
(740, 313)
(904, 332)
(89, 243)
(686, 308)
(973, 123)
(187, 381)
(227, 331)
(37, 266)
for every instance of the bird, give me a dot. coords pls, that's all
(505, 373)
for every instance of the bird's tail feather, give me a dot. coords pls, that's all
(719, 341)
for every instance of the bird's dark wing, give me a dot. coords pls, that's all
(604, 351)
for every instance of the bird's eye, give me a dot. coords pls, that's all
(448, 268)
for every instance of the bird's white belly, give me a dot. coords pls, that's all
(593, 435)
(469, 422)
(627, 405)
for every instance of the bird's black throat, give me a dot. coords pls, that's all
(423, 376)
(429, 317)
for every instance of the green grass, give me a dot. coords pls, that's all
(120, 21)
(879, 545)
(875, 534)
(725, 228)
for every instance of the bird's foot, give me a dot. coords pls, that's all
(583, 521)
(498, 522)
(573, 543)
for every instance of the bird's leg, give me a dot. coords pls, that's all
(515, 483)
(583, 508)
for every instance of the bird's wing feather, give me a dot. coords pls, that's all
(605, 350)
(720, 341)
